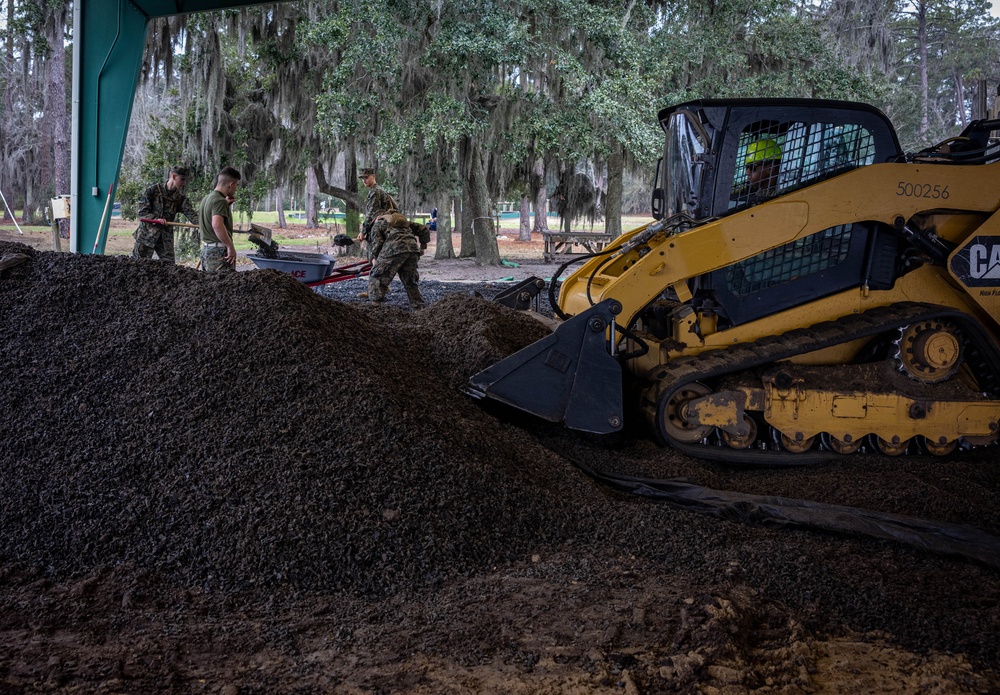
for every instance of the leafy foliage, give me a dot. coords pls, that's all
(947, 53)
(405, 85)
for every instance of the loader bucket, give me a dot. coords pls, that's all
(567, 377)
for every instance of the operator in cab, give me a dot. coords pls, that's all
(762, 166)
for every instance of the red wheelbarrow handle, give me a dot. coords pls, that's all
(338, 274)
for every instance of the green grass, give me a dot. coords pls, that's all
(508, 226)
(26, 227)
(270, 219)
(628, 222)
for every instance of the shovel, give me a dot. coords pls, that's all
(264, 232)
(169, 224)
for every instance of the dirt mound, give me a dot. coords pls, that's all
(240, 430)
(233, 484)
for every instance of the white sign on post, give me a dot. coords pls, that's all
(60, 207)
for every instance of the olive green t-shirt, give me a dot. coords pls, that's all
(214, 204)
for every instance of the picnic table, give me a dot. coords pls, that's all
(564, 244)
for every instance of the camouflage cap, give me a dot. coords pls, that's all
(366, 172)
(396, 220)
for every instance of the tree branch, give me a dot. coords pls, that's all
(342, 193)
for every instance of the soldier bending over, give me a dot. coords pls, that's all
(395, 250)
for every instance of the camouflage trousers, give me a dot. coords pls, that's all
(164, 248)
(385, 269)
(213, 259)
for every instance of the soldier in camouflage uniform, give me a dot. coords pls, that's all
(395, 249)
(162, 202)
(218, 254)
(377, 203)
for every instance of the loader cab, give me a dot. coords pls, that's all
(709, 143)
(723, 157)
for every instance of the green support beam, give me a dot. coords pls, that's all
(108, 41)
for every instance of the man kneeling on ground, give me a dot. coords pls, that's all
(395, 250)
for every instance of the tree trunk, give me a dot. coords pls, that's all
(279, 203)
(349, 195)
(43, 131)
(524, 228)
(44, 154)
(8, 110)
(924, 91)
(60, 118)
(352, 216)
(456, 210)
(444, 247)
(463, 208)
(60, 115)
(613, 200)
(463, 215)
(484, 231)
(600, 202)
(28, 213)
(540, 223)
(312, 200)
(960, 98)
(46, 128)
(8, 95)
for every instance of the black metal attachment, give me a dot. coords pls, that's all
(569, 376)
(523, 295)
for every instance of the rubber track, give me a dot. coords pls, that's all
(716, 363)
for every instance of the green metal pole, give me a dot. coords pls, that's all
(107, 59)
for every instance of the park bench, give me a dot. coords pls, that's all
(562, 245)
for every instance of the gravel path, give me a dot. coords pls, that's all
(432, 291)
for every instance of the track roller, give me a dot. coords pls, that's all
(671, 423)
(940, 448)
(797, 445)
(746, 436)
(894, 447)
(842, 446)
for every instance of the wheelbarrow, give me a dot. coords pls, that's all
(312, 269)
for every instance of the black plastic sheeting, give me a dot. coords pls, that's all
(942, 538)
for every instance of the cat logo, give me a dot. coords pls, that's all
(984, 261)
(977, 264)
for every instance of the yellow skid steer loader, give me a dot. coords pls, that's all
(805, 287)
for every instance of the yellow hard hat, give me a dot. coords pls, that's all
(764, 150)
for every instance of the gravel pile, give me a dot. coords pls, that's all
(246, 432)
(432, 290)
(240, 431)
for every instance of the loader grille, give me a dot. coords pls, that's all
(797, 259)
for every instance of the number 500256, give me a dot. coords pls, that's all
(922, 190)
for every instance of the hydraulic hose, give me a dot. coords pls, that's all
(643, 346)
(555, 279)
